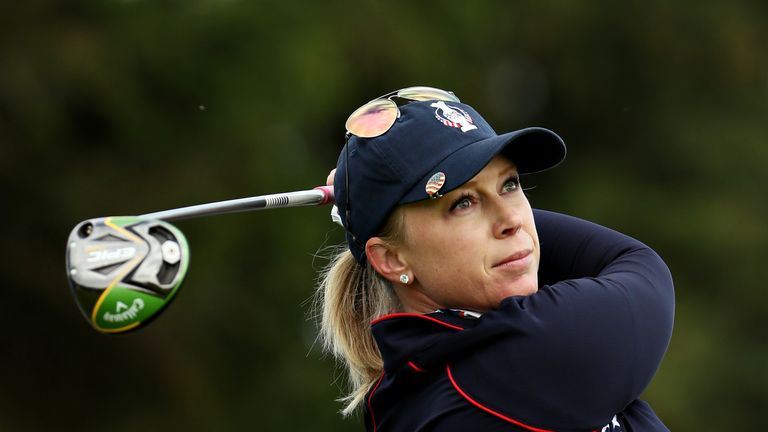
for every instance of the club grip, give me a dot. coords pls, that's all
(328, 197)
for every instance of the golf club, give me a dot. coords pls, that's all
(125, 270)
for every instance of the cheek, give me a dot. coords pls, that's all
(536, 245)
(441, 260)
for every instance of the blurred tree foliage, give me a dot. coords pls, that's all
(129, 106)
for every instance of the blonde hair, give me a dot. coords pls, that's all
(348, 297)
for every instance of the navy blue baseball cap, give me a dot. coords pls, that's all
(432, 143)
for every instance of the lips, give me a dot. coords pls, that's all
(519, 259)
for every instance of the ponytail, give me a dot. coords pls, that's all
(349, 296)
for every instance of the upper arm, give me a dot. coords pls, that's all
(574, 248)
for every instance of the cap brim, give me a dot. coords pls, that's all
(531, 150)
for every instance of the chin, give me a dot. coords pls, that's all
(524, 287)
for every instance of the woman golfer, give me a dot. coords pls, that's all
(459, 308)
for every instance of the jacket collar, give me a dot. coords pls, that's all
(421, 340)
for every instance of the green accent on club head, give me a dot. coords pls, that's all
(125, 220)
(124, 309)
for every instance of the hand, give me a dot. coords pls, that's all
(335, 210)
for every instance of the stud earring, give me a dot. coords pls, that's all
(404, 279)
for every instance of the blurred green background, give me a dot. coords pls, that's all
(123, 107)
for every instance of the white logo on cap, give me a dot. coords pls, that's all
(453, 116)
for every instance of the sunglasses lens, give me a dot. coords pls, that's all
(427, 93)
(372, 119)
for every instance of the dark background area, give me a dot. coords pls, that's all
(125, 107)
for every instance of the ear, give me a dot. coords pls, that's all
(385, 259)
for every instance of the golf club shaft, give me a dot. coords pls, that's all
(318, 196)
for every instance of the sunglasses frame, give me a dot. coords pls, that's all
(415, 93)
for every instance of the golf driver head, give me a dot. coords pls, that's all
(125, 270)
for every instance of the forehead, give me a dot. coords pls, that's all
(498, 166)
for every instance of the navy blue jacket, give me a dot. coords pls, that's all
(575, 356)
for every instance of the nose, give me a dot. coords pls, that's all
(508, 219)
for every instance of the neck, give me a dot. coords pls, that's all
(413, 300)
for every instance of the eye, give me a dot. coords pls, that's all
(462, 203)
(511, 185)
